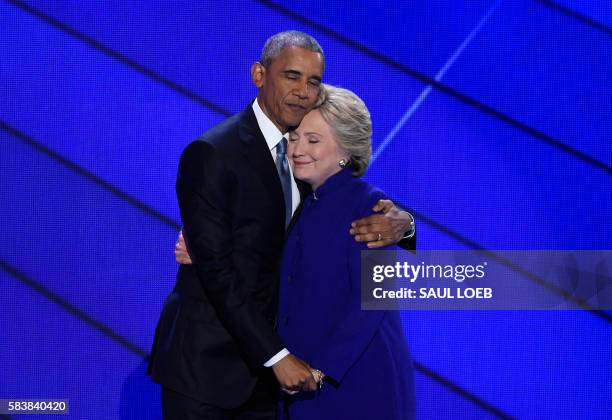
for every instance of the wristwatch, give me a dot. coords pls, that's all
(410, 233)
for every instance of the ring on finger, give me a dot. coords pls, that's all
(380, 236)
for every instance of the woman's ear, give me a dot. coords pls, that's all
(343, 160)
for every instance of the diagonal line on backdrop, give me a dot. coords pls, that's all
(425, 93)
(468, 100)
(133, 201)
(511, 265)
(461, 391)
(73, 310)
(122, 58)
(184, 91)
(411, 110)
(576, 15)
(114, 336)
(341, 38)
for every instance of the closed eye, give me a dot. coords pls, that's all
(292, 74)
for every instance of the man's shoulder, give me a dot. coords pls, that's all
(226, 130)
(233, 128)
(220, 139)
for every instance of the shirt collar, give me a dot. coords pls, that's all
(270, 132)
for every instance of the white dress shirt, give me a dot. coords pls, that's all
(273, 136)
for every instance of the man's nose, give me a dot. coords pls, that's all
(301, 89)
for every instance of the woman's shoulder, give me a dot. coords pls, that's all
(364, 195)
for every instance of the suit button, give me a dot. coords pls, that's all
(286, 319)
(289, 279)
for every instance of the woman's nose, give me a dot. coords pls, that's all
(294, 148)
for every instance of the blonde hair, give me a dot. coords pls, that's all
(350, 121)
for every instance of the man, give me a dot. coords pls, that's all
(216, 353)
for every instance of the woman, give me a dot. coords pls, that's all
(362, 354)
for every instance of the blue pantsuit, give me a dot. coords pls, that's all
(363, 353)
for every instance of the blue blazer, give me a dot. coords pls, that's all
(363, 353)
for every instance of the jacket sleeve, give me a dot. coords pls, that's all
(358, 327)
(204, 189)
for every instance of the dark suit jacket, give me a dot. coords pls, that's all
(217, 327)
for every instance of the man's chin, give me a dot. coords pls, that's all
(295, 118)
(294, 122)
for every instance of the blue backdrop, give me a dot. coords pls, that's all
(492, 123)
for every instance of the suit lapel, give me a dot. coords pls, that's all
(256, 153)
(304, 189)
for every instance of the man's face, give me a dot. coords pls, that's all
(289, 86)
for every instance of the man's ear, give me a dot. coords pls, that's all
(258, 74)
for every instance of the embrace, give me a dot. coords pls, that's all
(264, 320)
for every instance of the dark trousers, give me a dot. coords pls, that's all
(261, 405)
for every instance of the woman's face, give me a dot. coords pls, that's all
(313, 150)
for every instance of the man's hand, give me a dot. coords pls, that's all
(294, 374)
(180, 250)
(382, 229)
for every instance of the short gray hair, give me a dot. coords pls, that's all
(277, 42)
(350, 121)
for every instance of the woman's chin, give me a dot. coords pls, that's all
(309, 180)
(300, 174)
(303, 178)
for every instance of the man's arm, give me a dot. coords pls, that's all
(203, 189)
(392, 226)
(204, 192)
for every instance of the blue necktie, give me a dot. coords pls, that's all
(282, 166)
